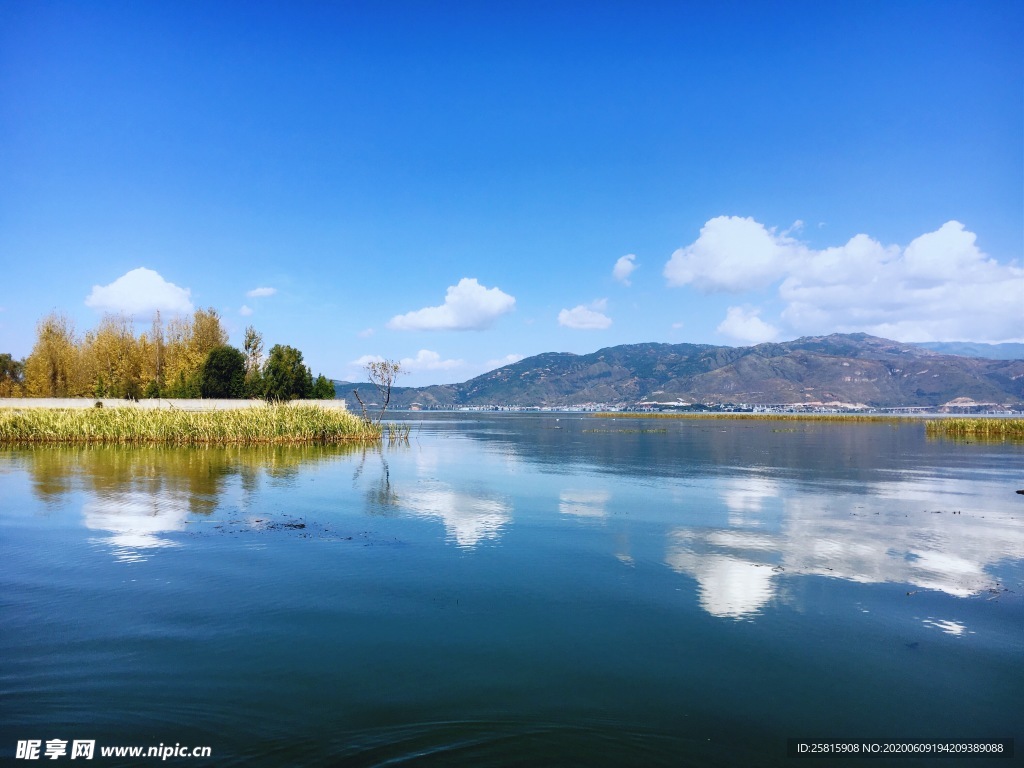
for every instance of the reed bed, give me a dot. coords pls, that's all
(275, 424)
(397, 433)
(978, 429)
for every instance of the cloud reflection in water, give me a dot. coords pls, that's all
(468, 519)
(584, 503)
(916, 532)
(135, 520)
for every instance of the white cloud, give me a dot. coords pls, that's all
(586, 317)
(624, 268)
(467, 306)
(258, 292)
(245, 311)
(743, 324)
(501, 362)
(428, 360)
(365, 333)
(139, 293)
(425, 360)
(940, 287)
(361, 362)
(732, 254)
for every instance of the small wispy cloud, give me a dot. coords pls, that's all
(365, 333)
(588, 317)
(245, 311)
(428, 360)
(501, 362)
(256, 293)
(624, 268)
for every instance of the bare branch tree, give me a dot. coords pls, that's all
(382, 374)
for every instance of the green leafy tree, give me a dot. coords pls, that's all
(12, 376)
(285, 376)
(323, 389)
(183, 386)
(223, 373)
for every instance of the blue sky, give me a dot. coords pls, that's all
(453, 184)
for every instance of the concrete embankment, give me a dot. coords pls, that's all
(154, 404)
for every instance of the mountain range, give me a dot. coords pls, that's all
(852, 369)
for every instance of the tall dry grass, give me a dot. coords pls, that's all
(276, 424)
(978, 429)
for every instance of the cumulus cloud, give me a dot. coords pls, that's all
(586, 317)
(624, 268)
(255, 293)
(467, 306)
(245, 311)
(139, 293)
(940, 287)
(428, 360)
(743, 324)
(733, 254)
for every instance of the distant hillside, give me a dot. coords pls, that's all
(854, 368)
(974, 349)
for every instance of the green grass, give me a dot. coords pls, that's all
(275, 424)
(978, 429)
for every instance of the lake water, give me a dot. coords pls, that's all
(517, 590)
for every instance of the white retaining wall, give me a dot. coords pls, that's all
(153, 404)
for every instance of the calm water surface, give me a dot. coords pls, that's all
(517, 591)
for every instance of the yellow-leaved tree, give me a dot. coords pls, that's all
(53, 369)
(113, 358)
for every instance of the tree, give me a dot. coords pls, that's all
(52, 369)
(154, 358)
(285, 377)
(223, 373)
(112, 358)
(253, 351)
(323, 389)
(207, 333)
(253, 362)
(12, 376)
(187, 343)
(382, 374)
